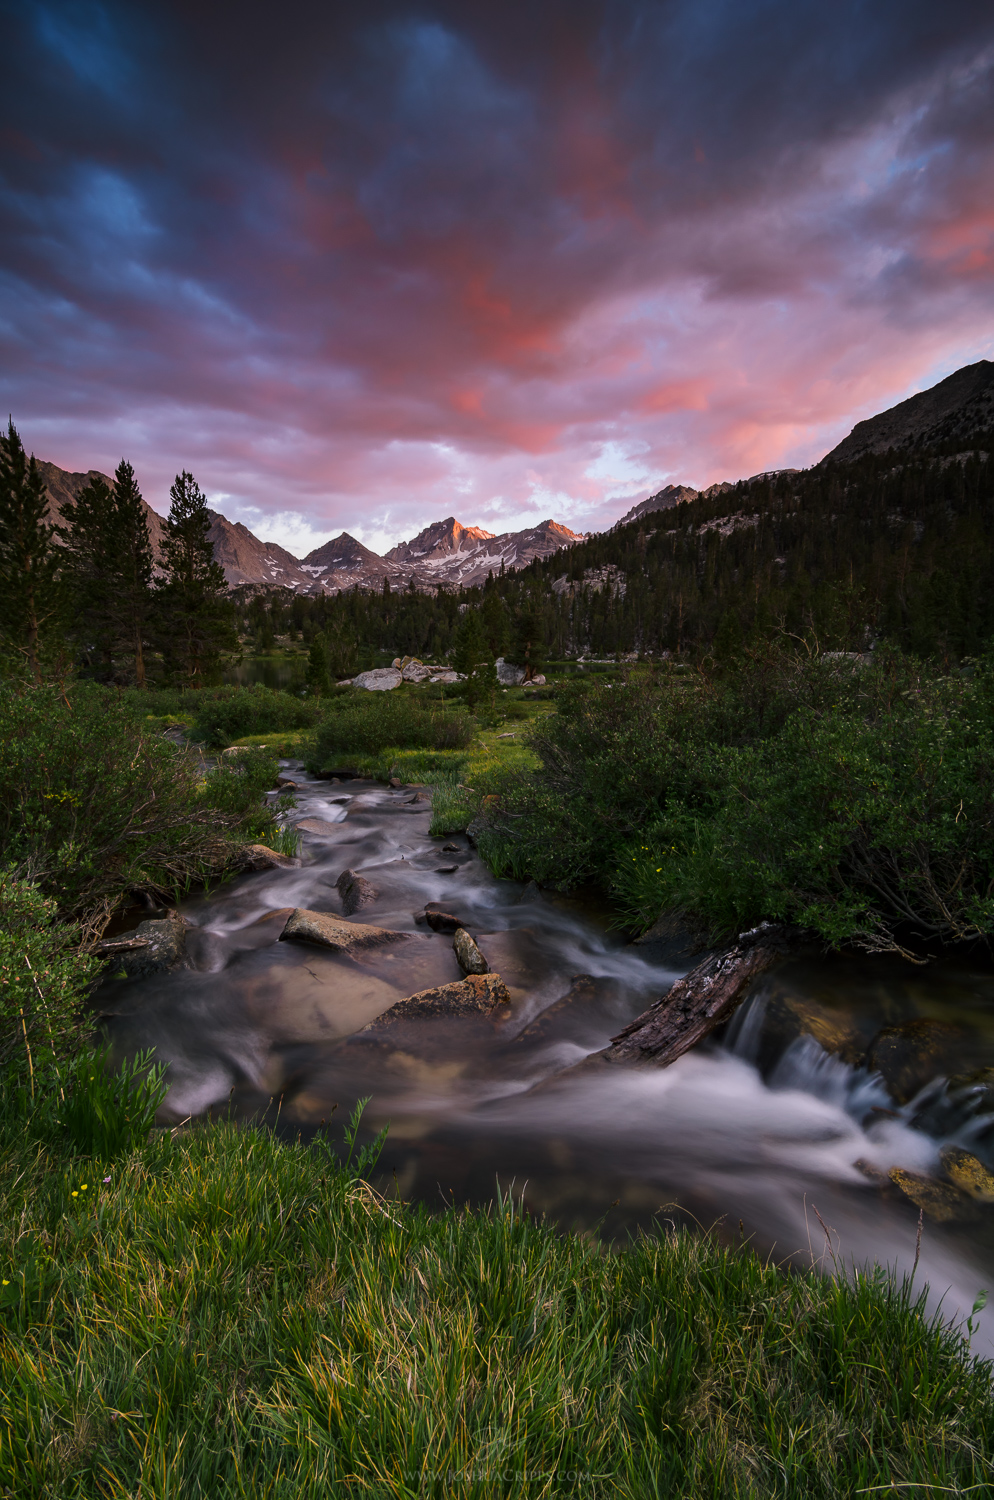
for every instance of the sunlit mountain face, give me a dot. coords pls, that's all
(360, 267)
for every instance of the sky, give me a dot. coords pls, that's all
(363, 266)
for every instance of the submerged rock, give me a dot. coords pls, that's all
(968, 1173)
(355, 890)
(469, 957)
(479, 995)
(332, 932)
(912, 1054)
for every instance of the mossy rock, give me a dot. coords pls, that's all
(968, 1173)
(909, 1056)
(940, 1201)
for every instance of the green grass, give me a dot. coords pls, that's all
(231, 1316)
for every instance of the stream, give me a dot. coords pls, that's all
(751, 1135)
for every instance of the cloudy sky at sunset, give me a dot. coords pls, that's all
(362, 266)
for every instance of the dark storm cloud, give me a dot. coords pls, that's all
(484, 257)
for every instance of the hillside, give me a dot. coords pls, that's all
(956, 411)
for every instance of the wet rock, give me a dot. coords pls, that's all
(912, 1054)
(787, 1016)
(285, 781)
(450, 849)
(441, 921)
(941, 1202)
(421, 798)
(468, 955)
(668, 941)
(355, 890)
(446, 869)
(270, 916)
(395, 782)
(531, 892)
(479, 995)
(379, 680)
(588, 1006)
(261, 857)
(163, 948)
(508, 675)
(332, 932)
(968, 1173)
(873, 1174)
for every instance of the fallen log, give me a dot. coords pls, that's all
(701, 1001)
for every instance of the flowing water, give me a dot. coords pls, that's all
(749, 1135)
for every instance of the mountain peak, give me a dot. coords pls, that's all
(955, 410)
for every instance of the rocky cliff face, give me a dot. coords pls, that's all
(247, 560)
(954, 411)
(673, 494)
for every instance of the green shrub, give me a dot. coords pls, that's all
(858, 803)
(223, 716)
(365, 723)
(93, 805)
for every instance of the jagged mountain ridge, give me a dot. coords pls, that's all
(445, 553)
(953, 412)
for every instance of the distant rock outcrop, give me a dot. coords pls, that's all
(673, 494)
(954, 411)
(247, 560)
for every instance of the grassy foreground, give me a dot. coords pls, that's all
(232, 1316)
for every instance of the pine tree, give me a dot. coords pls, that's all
(107, 559)
(472, 657)
(88, 542)
(132, 602)
(318, 666)
(195, 615)
(529, 642)
(30, 594)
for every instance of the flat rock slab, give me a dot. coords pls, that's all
(473, 997)
(332, 932)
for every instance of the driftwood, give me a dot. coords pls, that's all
(113, 946)
(701, 1001)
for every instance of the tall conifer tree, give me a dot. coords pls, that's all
(107, 554)
(29, 588)
(196, 617)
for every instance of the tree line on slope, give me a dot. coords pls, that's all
(893, 546)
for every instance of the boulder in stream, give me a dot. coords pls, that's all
(260, 857)
(478, 995)
(968, 1173)
(912, 1054)
(469, 957)
(332, 932)
(441, 921)
(939, 1201)
(355, 890)
(154, 947)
